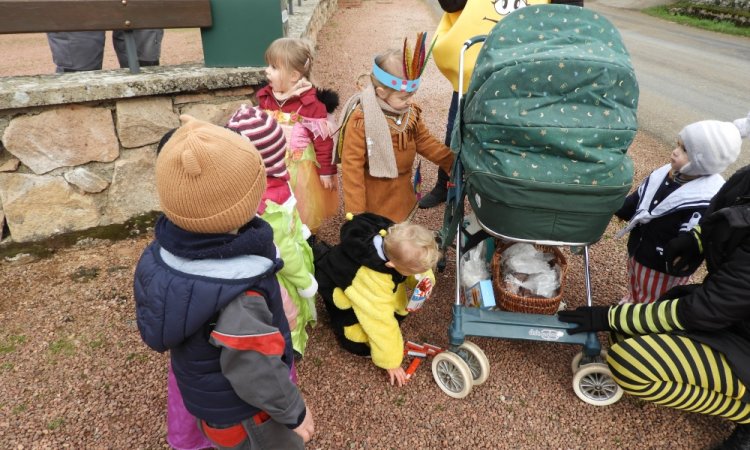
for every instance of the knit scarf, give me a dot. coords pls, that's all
(696, 193)
(299, 88)
(380, 155)
(255, 238)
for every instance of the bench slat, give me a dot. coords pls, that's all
(37, 16)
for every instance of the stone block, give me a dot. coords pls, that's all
(133, 188)
(191, 98)
(246, 91)
(4, 122)
(37, 207)
(144, 121)
(216, 114)
(9, 165)
(67, 136)
(86, 180)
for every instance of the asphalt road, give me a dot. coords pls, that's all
(685, 74)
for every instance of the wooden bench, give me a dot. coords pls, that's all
(41, 16)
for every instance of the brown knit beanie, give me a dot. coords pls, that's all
(209, 179)
(265, 134)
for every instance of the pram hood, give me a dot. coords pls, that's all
(545, 125)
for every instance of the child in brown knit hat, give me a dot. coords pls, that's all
(205, 291)
(382, 132)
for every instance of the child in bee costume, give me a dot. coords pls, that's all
(364, 281)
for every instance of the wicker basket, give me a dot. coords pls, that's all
(530, 305)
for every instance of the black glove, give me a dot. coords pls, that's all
(683, 254)
(588, 318)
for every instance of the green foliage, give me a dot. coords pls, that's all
(55, 423)
(62, 346)
(83, 274)
(10, 343)
(684, 13)
(138, 357)
(98, 343)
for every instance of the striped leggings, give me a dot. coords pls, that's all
(647, 285)
(678, 372)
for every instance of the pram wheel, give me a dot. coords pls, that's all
(476, 360)
(452, 374)
(594, 385)
(576, 363)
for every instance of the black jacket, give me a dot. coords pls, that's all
(646, 242)
(717, 312)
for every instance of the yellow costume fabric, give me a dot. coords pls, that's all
(477, 18)
(375, 301)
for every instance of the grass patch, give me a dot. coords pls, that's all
(97, 343)
(83, 274)
(7, 366)
(9, 344)
(62, 347)
(138, 357)
(19, 409)
(55, 423)
(677, 12)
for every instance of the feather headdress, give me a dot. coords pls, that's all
(414, 62)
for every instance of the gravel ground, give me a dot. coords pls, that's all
(76, 374)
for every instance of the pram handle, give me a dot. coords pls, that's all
(469, 43)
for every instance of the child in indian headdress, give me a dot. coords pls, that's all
(303, 112)
(381, 133)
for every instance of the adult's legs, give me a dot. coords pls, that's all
(77, 51)
(682, 373)
(148, 46)
(439, 193)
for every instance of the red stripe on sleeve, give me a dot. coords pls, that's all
(271, 344)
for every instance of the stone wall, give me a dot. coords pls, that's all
(77, 150)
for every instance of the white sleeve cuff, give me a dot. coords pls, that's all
(311, 290)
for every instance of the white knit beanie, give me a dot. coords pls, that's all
(712, 145)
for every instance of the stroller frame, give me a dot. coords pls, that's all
(456, 371)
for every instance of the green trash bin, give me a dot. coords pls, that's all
(242, 30)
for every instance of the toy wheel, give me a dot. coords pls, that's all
(594, 385)
(452, 374)
(476, 360)
(576, 363)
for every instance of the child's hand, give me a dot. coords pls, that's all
(307, 428)
(327, 182)
(398, 375)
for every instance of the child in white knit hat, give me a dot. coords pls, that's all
(672, 200)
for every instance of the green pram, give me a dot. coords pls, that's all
(540, 142)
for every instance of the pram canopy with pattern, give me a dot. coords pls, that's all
(543, 130)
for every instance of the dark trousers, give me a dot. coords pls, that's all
(84, 50)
